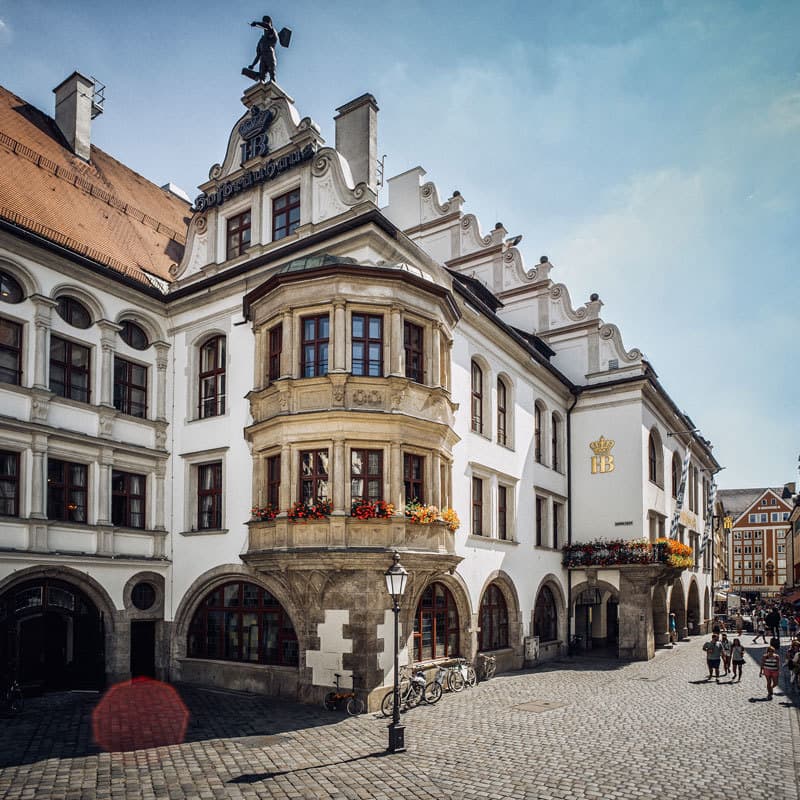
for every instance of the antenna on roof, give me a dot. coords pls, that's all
(381, 167)
(98, 97)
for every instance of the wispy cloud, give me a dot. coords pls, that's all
(5, 32)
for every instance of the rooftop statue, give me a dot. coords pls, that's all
(265, 50)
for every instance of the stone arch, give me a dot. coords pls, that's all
(94, 592)
(506, 586)
(693, 618)
(226, 573)
(22, 275)
(553, 583)
(677, 606)
(94, 305)
(707, 616)
(660, 615)
(151, 326)
(467, 622)
(591, 620)
(655, 449)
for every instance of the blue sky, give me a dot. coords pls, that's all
(650, 149)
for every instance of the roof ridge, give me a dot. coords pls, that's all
(90, 188)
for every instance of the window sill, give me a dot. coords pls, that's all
(204, 532)
(475, 538)
(190, 420)
(138, 531)
(506, 446)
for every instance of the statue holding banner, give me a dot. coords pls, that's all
(265, 50)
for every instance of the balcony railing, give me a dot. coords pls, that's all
(616, 552)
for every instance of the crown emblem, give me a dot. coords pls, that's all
(256, 123)
(602, 447)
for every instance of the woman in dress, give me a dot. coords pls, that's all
(726, 653)
(770, 669)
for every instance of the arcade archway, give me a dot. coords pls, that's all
(677, 606)
(693, 618)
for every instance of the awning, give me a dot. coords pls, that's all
(794, 597)
(720, 596)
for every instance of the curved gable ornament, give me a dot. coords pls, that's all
(334, 191)
(612, 333)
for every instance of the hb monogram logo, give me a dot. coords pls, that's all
(602, 460)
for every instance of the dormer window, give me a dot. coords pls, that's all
(285, 214)
(238, 237)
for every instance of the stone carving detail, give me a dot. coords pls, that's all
(561, 294)
(105, 424)
(39, 406)
(611, 332)
(215, 172)
(397, 399)
(362, 397)
(201, 223)
(161, 438)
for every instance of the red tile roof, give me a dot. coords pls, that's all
(102, 210)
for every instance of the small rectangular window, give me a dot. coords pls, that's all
(130, 388)
(414, 477)
(238, 234)
(274, 481)
(556, 525)
(477, 507)
(128, 499)
(314, 486)
(275, 350)
(10, 352)
(502, 398)
(9, 483)
(540, 521)
(366, 475)
(367, 344)
(314, 346)
(412, 343)
(502, 512)
(66, 491)
(209, 496)
(70, 369)
(285, 214)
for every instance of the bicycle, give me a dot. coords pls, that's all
(435, 688)
(11, 700)
(412, 692)
(353, 704)
(462, 675)
(488, 666)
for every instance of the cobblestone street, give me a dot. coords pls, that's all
(578, 729)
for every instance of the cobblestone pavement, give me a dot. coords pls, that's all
(577, 729)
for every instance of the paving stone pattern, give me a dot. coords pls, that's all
(580, 728)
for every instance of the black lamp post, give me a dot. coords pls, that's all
(396, 577)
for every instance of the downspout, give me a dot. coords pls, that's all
(576, 392)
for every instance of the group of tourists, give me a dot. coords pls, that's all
(730, 654)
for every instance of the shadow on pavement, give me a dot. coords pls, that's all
(257, 777)
(59, 725)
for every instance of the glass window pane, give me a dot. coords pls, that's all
(250, 637)
(231, 595)
(323, 327)
(358, 326)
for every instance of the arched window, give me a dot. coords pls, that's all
(676, 474)
(477, 398)
(545, 616)
(10, 290)
(537, 433)
(555, 431)
(652, 459)
(436, 624)
(494, 620)
(73, 312)
(242, 622)
(212, 378)
(134, 335)
(502, 419)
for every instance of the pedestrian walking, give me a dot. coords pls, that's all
(761, 630)
(773, 620)
(673, 628)
(770, 669)
(784, 625)
(737, 659)
(713, 650)
(726, 653)
(739, 622)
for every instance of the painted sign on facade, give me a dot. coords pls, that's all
(602, 460)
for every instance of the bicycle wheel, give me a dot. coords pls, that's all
(489, 672)
(415, 695)
(387, 704)
(433, 693)
(355, 706)
(471, 678)
(330, 701)
(455, 680)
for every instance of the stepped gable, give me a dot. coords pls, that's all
(101, 210)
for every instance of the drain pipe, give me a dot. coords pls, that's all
(576, 392)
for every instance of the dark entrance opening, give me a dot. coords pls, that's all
(143, 649)
(51, 636)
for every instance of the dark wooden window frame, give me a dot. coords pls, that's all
(238, 231)
(213, 404)
(502, 512)
(540, 506)
(134, 335)
(366, 476)
(210, 520)
(10, 483)
(282, 205)
(545, 615)
(555, 434)
(275, 343)
(414, 487)
(69, 309)
(73, 497)
(128, 520)
(502, 412)
(537, 433)
(70, 370)
(14, 350)
(493, 617)
(125, 389)
(274, 481)
(368, 367)
(264, 607)
(309, 487)
(413, 344)
(428, 605)
(556, 524)
(676, 474)
(652, 459)
(477, 506)
(318, 366)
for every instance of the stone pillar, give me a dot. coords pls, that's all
(39, 477)
(104, 487)
(162, 360)
(108, 332)
(339, 337)
(285, 494)
(435, 377)
(41, 320)
(397, 353)
(396, 477)
(436, 476)
(288, 359)
(636, 639)
(337, 476)
(159, 474)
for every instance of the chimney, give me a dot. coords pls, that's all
(75, 111)
(357, 138)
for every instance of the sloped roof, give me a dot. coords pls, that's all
(102, 210)
(736, 501)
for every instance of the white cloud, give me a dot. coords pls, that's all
(5, 32)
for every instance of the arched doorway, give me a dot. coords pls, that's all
(660, 616)
(52, 636)
(436, 624)
(706, 608)
(597, 617)
(693, 618)
(677, 606)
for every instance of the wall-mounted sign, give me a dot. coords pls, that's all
(602, 460)
(263, 174)
(254, 132)
(687, 519)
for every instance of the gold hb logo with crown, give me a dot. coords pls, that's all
(602, 460)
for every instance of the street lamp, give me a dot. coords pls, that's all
(396, 577)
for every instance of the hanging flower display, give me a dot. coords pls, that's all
(264, 513)
(367, 509)
(420, 514)
(302, 512)
(450, 518)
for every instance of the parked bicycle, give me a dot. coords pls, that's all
(11, 700)
(352, 703)
(462, 675)
(487, 666)
(412, 692)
